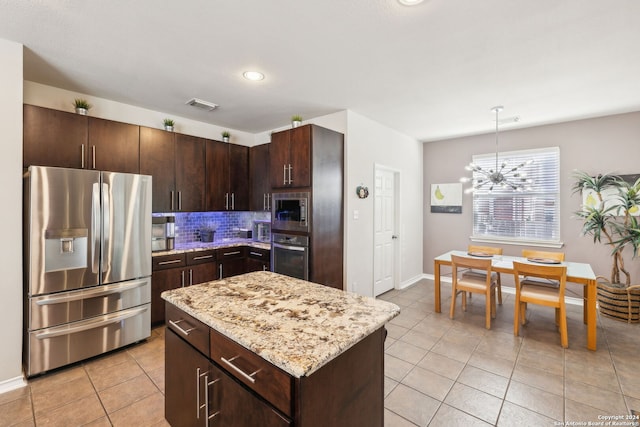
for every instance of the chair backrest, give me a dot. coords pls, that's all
(480, 264)
(550, 272)
(531, 253)
(486, 249)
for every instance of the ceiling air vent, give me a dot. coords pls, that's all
(205, 105)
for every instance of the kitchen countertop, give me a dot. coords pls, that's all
(202, 246)
(296, 325)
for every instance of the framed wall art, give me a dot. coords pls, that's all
(446, 198)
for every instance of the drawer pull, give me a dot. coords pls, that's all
(175, 325)
(196, 258)
(255, 253)
(231, 253)
(173, 261)
(248, 377)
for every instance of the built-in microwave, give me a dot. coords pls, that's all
(290, 211)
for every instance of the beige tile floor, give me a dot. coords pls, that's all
(438, 372)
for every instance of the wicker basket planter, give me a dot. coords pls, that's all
(620, 303)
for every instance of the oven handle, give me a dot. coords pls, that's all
(290, 248)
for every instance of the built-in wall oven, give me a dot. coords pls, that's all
(290, 255)
(290, 212)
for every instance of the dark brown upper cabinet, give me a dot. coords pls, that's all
(190, 173)
(290, 154)
(227, 177)
(177, 165)
(259, 178)
(69, 140)
(54, 138)
(157, 158)
(113, 146)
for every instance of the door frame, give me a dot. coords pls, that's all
(396, 223)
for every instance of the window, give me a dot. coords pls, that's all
(529, 216)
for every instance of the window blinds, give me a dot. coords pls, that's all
(529, 215)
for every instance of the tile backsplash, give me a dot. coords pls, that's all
(189, 225)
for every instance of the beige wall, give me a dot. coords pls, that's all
(600, 145)
(11, 215)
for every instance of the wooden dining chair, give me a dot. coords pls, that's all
(474, 283)
(529, 291)
(487, 250)
(542, 255)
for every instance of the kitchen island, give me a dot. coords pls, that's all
(266, 349)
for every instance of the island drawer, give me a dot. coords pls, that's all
(189, 328)
(269, 381)
(162, 262)
(201, 257)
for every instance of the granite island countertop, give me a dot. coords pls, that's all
(296, 325)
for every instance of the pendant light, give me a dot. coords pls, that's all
(502, 177)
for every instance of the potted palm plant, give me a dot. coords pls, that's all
(225, 136)
(81, 106)
(168, 125)
(609, 213)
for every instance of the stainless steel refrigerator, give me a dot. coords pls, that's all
(87, 264)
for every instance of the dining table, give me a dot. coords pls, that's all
(577, 272)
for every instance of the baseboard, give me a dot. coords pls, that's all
(412, 281)
(508, 290)
(12, 384)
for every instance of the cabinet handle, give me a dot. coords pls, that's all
(230, 253)
(82, 156)
(190, 277)
(198, 406)
(268, 201)
(220, 270)
(290, 180)
(173, 261)
(196, 258)
(243, 374)
(184, 331)
(179, 200)
(284, 174)
(264, 268)
(171, 200)
(255, 253)
(182, 276)
(233, 201)
(93, 156)
(226, 201)
(207, 384)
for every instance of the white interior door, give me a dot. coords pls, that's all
(384, 231)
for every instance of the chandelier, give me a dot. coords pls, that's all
(502, 176)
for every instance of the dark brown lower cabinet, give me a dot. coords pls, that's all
(200, 268)
(231, 261)
(211, 380)
(258, 260)
(200, 394)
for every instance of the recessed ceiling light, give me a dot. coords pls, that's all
(253, 75)
(410, 2)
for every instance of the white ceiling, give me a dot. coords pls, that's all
(432, 71)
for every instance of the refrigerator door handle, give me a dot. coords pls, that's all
(95, 227)
(98, 292)
(106, 225)
(99, 322)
